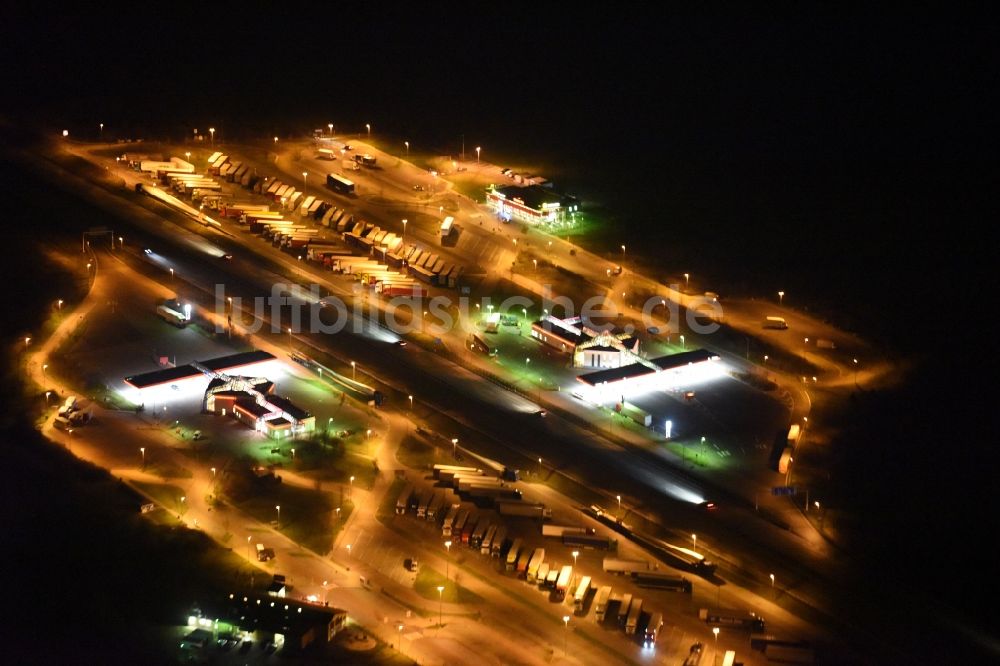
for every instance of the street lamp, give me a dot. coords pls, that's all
(369, 128)
(276, 139)
(171, 273)
(687, 280)
(277, 507)
(407, 143)
(293, 454)
(781, 296)
(447, 560)
(539, 467)
(440, 589)
(330, 127)
(248, 546)
(45, 366)
(772, 581)
(305, 184)
(400, 629)
(623, 250)
(566, 635)
(354, 374)
(683, 346)
(576, 554)
(619, 498)
(477, 154)
(694, 542)
(289, 336)
(211, 130)
(715, 656)
(454, 447)
(213, 474)
(351, 488)
(403, 237)
(348, 550)
(101, 125)
(27, 341)
(142, 450)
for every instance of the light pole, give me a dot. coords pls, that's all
(683, 346)
(781, 297)
(694, 542)
(101, 125)
(411, 402)
(539, 467)
(249, 538)
(402, 238)
(142, 450)
(171, 274)
(305, 184)
(623, 251)
(351, 493)
(211, 130)
(369, 128)
(289, 336)
(687, 280)
(440, 589)
(447, 559)
(45, 366)
(454, 447)
(619, 498)
(330, 127)
(566, 635)
(576, 554)
(407, 144)
(855, 373)
(348, 550)
(293, 455)
(477, 155)
(27, 341)
(354, 374)
(400, 629)
(277, 507)
(715, 655)
(213, 474)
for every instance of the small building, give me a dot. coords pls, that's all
(291, 625)
(590, 348)
(533, 204)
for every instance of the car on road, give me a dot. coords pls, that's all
(226, 257)
(400, 343)
(418, 188)
(708, 505)
(410, 564)
(148, 251)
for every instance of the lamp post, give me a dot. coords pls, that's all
(277, 507)
(45, 366)
(576, 554)
(715, 655)
(772, 581)
(781, 297)
(351, 493)
(855, 373)
(407, 144)
(142, 451)
(539, 467)
(619, 498)
(276, 139)
(683, 346)
(354, 374)
(477, 155)
(447, 559)
(694, 542)
(399, 628)
(101, 125)
(348, 550)
(454, 447)
(623, 250)
(566, 635)
(305, 184)
(211, 130)
(440, 589)
(171, 274)
(369, 128)
(330, 127)
(403, 237)
(687, 280)
(249, 538)
(27, 341)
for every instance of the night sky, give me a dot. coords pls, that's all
(849, 154)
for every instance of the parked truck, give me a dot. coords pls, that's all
(612, 565)
(580, 595)
(652, 629)
(434, 508)
(512, 553)
(537, 557)
(661, 581)
(632, 621)
(601, 602)
(486, 545)
(403, 501)
(562, 583)
(449, 520)
(624, 607)
(499, 539)
(523, 509)
(577, 540)
(560, 530)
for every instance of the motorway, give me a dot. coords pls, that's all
(761, 546)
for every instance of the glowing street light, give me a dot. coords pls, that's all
(566, 635)
(351, 487)
(687, 280)
(369, 128)
(447, 560)
(101, 125)
(60, 302)
(440, 589)
(305, 184)
(348, 546)
(211, 130)
(330, 127)
(715, 631)
(45, 366)
(407, 143)
(772, 581)
(354, 374)
(142, 450)
(619, 498)
(249, 538)
(576, 554)
(477, 154)
(277, 507)
(27, 341)
(623, 250)
(403, 237)
(781, 297)
(683, 346)
(213, 474)
(694, 542)
(276, 139)
(454, 447)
